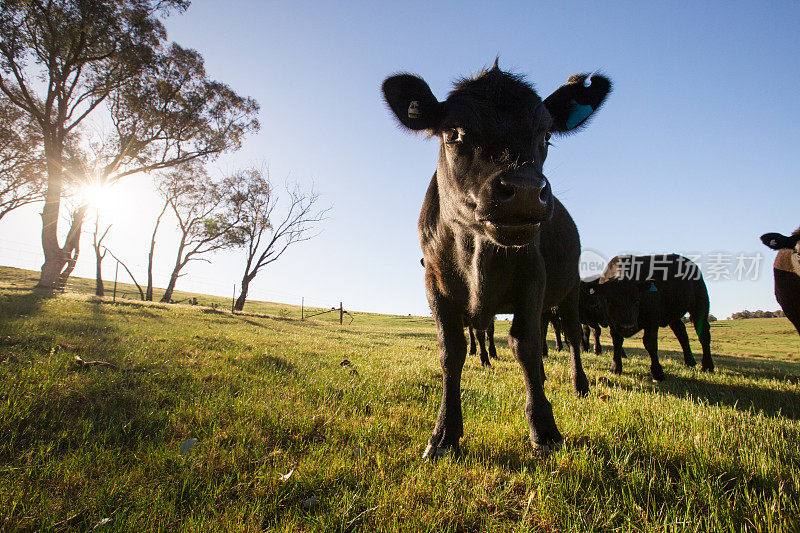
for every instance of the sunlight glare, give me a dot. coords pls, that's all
(100, 198)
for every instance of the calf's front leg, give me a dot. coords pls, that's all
(598, 348)
(525, 342)
(617, 340)
(452, 353)
(650, 340)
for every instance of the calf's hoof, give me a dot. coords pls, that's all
(433, 453)
(544, 433)
(581, 385)
(597, 351)
(544, 450)
(616, 368)
(485, 363)
(547, 441)
(492, 353)
(708, 366)
(658, 373)
(689, 361)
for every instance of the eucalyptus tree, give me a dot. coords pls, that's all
(21, 159)
(64, 62)
(268, 224)
(206, 224)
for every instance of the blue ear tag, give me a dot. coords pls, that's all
(653, 288)
(578, 114)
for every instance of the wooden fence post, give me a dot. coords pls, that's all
(116, 271)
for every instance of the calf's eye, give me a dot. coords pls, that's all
(452, 136)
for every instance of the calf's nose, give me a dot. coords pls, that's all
(523, 195)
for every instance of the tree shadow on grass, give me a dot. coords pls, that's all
(16, 302)
(117, 402)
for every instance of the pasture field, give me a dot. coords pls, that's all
(312, 426)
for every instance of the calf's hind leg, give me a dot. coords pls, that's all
(472, 349)
(598, 348)
(585, 338)
(699, 318)
(570, 322)
(679, 329)
(482, 344)
(490, 335)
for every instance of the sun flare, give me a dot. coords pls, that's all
(98, 197)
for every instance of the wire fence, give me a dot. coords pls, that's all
(191, 286)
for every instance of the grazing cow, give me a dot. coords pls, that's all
(651, 291)
(786, 270)
(494, 238)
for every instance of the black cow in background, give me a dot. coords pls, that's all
(482, 337)
(786, 270)
(651, 291)
(549, 316)
(592, 317)
(494, 238)
(552, 316)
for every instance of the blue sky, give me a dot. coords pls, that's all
(695, 151)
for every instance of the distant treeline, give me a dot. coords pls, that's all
(757, 314)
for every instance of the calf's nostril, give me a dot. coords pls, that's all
(504, 190)
(544, 194)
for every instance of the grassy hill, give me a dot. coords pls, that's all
(312, 426)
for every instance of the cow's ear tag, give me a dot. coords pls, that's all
(591, 291)
(653, 288)
(414, 110)
(578, 114)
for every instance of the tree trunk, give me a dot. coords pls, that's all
(149, 291)
(54, 257)
(239, 305)
(99, 290)
(173, 280)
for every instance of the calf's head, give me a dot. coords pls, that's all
(620, 302)
(494, 132)
(589, 299)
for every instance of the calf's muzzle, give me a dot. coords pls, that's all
(519, 199)
(513, 206)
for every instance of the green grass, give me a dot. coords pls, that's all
(265, 395)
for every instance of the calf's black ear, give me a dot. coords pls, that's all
(572, 104)
(412, 102)
(776, 241)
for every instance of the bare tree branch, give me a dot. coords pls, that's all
(128, 270)
(255, 199)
